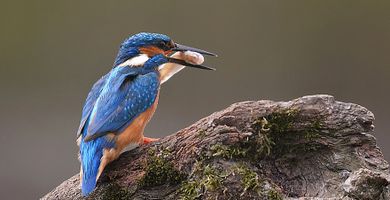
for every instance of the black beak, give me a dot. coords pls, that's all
(184, 63)
(179, 47)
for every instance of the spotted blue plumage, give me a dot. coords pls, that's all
(113, 103)
(121, 102)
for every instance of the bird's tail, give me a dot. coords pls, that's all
(90, 153)
(88, 183)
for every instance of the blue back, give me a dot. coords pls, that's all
(114, 110)
(121, 101)
(115, 101)
(119, 96)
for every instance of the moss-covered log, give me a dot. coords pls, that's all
(313, 147)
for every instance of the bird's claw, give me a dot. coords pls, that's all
(148, 140)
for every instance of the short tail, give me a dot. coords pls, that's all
(90, 153)
(88, 182)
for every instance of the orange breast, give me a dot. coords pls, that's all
(134, 133)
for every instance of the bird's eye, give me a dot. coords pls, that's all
(162, 44)
(171, 44)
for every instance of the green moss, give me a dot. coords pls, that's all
(113, 192)
(274, 195)
(206, 178)
(201, 134)
(275, 134)
(212, 178)
(191, 190)
(270, 129)
(281, 122)
(302, 141)
(249, 179)
(228, 152)
(312, 132)
(159, 170)
(264, 143)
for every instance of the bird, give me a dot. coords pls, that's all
(122, 102)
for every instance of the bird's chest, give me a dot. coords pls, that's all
(133, 134)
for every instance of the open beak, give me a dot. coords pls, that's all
(179, 47)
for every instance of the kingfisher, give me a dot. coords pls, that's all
(122, 102)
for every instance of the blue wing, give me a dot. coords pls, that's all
(90, 102)
(124, 96)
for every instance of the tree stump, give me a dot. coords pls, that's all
(312, 147)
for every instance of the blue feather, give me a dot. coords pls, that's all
(115, 101)
(129, 47)
(123, 97)
(90, 102)
(121, 101)
(91, 154)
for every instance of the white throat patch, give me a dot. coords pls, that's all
(167, 70)
(135, 61)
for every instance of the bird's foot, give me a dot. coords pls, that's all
(148, 140)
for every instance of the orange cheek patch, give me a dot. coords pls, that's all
(168, 52)
(151, 51)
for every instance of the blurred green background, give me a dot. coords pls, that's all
(53, 51)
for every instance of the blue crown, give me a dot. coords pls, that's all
(129, 47)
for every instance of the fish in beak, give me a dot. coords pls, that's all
(183, 48)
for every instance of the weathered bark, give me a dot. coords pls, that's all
(310, 148)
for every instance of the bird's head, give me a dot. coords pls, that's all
(140, 48)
